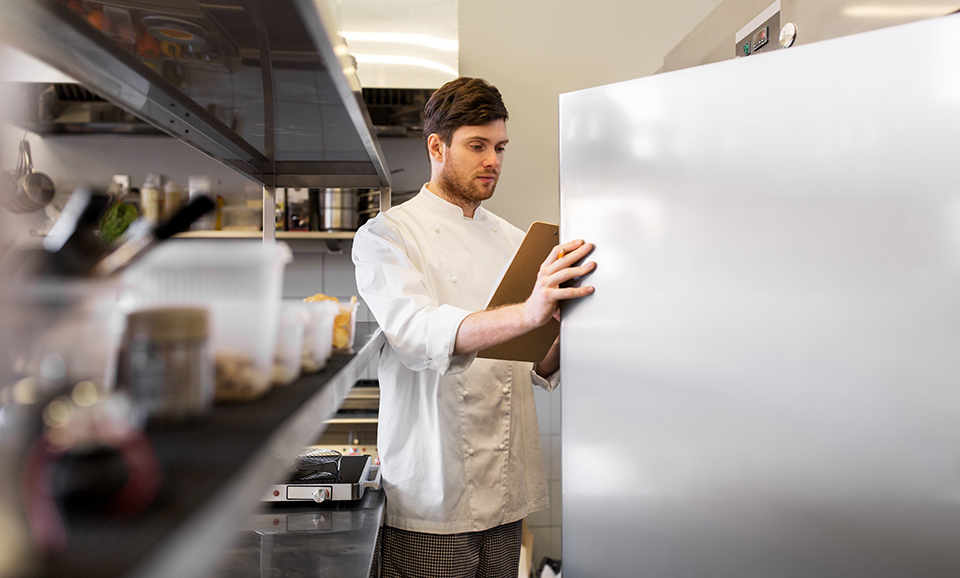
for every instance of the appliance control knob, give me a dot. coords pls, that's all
(788, 34)
(320, 494)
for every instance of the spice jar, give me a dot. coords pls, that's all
(164, 361)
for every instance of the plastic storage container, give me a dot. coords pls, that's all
(318, 334)
(345, 325)
(239, 282)
(287, 357)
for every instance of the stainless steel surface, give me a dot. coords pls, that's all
(333, 539)
(338, 209)
(268, 214)
(777, 318)
(319, 22)
(320, 490)
(711, 39)
(195, 549)
(253, 91)
(788, 34)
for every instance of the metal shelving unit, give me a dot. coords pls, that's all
(265, 87)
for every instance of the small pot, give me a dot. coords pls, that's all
(32, 190)
(338, 210)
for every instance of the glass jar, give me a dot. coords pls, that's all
(164, 361)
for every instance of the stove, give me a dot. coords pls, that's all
(323, 475)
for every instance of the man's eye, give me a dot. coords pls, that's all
(500, 149)
(476, 147)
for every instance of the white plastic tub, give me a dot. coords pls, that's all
(318, 334)
(287, 358)
(240, 283)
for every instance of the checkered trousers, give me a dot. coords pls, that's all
(493, 553)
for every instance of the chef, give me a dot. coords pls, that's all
(457, 438)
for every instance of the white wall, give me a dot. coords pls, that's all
(533, 50)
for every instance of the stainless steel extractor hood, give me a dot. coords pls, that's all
(265, 87)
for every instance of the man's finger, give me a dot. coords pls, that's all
(570, 292)
(562, 249)
(569, 258)
(569, 273)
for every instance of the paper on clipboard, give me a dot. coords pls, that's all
(516, 285)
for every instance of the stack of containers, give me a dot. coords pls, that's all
(318, 335)
(290, 329)
(240, 283)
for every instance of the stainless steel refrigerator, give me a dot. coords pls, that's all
(767, 380)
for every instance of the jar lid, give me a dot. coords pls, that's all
(168, 323)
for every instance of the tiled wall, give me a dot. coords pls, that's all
(546, 525)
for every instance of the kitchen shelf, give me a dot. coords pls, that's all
(214, 472)
(264, 86)
(288, 235)
(348, 420)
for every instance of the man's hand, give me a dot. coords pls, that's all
(544, 301)
(483, 329)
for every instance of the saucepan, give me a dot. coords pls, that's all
(26, 191)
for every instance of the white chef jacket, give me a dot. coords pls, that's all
(457, 436)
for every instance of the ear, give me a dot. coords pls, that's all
(435, 147)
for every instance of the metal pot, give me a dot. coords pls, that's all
(338, 209)
(32, 190)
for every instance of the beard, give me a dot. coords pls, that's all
(465, 188)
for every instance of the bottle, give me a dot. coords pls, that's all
(196, 186)
(172, 199)
(151, 198)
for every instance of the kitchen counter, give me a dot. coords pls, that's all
(214, 472)
(335, 539)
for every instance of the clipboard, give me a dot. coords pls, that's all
(516, 285)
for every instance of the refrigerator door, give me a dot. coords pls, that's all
(772, 355)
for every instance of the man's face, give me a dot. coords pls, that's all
(471, 164)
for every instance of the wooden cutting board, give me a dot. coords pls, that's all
(515, 286)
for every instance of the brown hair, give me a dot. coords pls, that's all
(462, 102)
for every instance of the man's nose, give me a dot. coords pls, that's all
(491, 160)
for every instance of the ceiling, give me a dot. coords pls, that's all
(401, 43)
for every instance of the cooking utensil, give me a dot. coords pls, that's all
(36, 188)
(33, 190)
(339, 210)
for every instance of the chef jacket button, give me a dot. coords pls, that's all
(436, 230)
(502, 447)
(453, 278)
(469, 451)
(506, 389)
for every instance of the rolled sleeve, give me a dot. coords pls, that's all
(549, 383)
(443, 340)
(421, 331)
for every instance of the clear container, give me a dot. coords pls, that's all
(344, 326)
(241, 218)
(318, 334)
(239, 282)
(290, 328)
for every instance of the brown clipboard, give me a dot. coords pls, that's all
(515, 286)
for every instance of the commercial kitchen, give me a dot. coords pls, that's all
(764, 382)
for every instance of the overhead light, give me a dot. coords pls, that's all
(898, 11)
(424, 40)
(401, 60)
